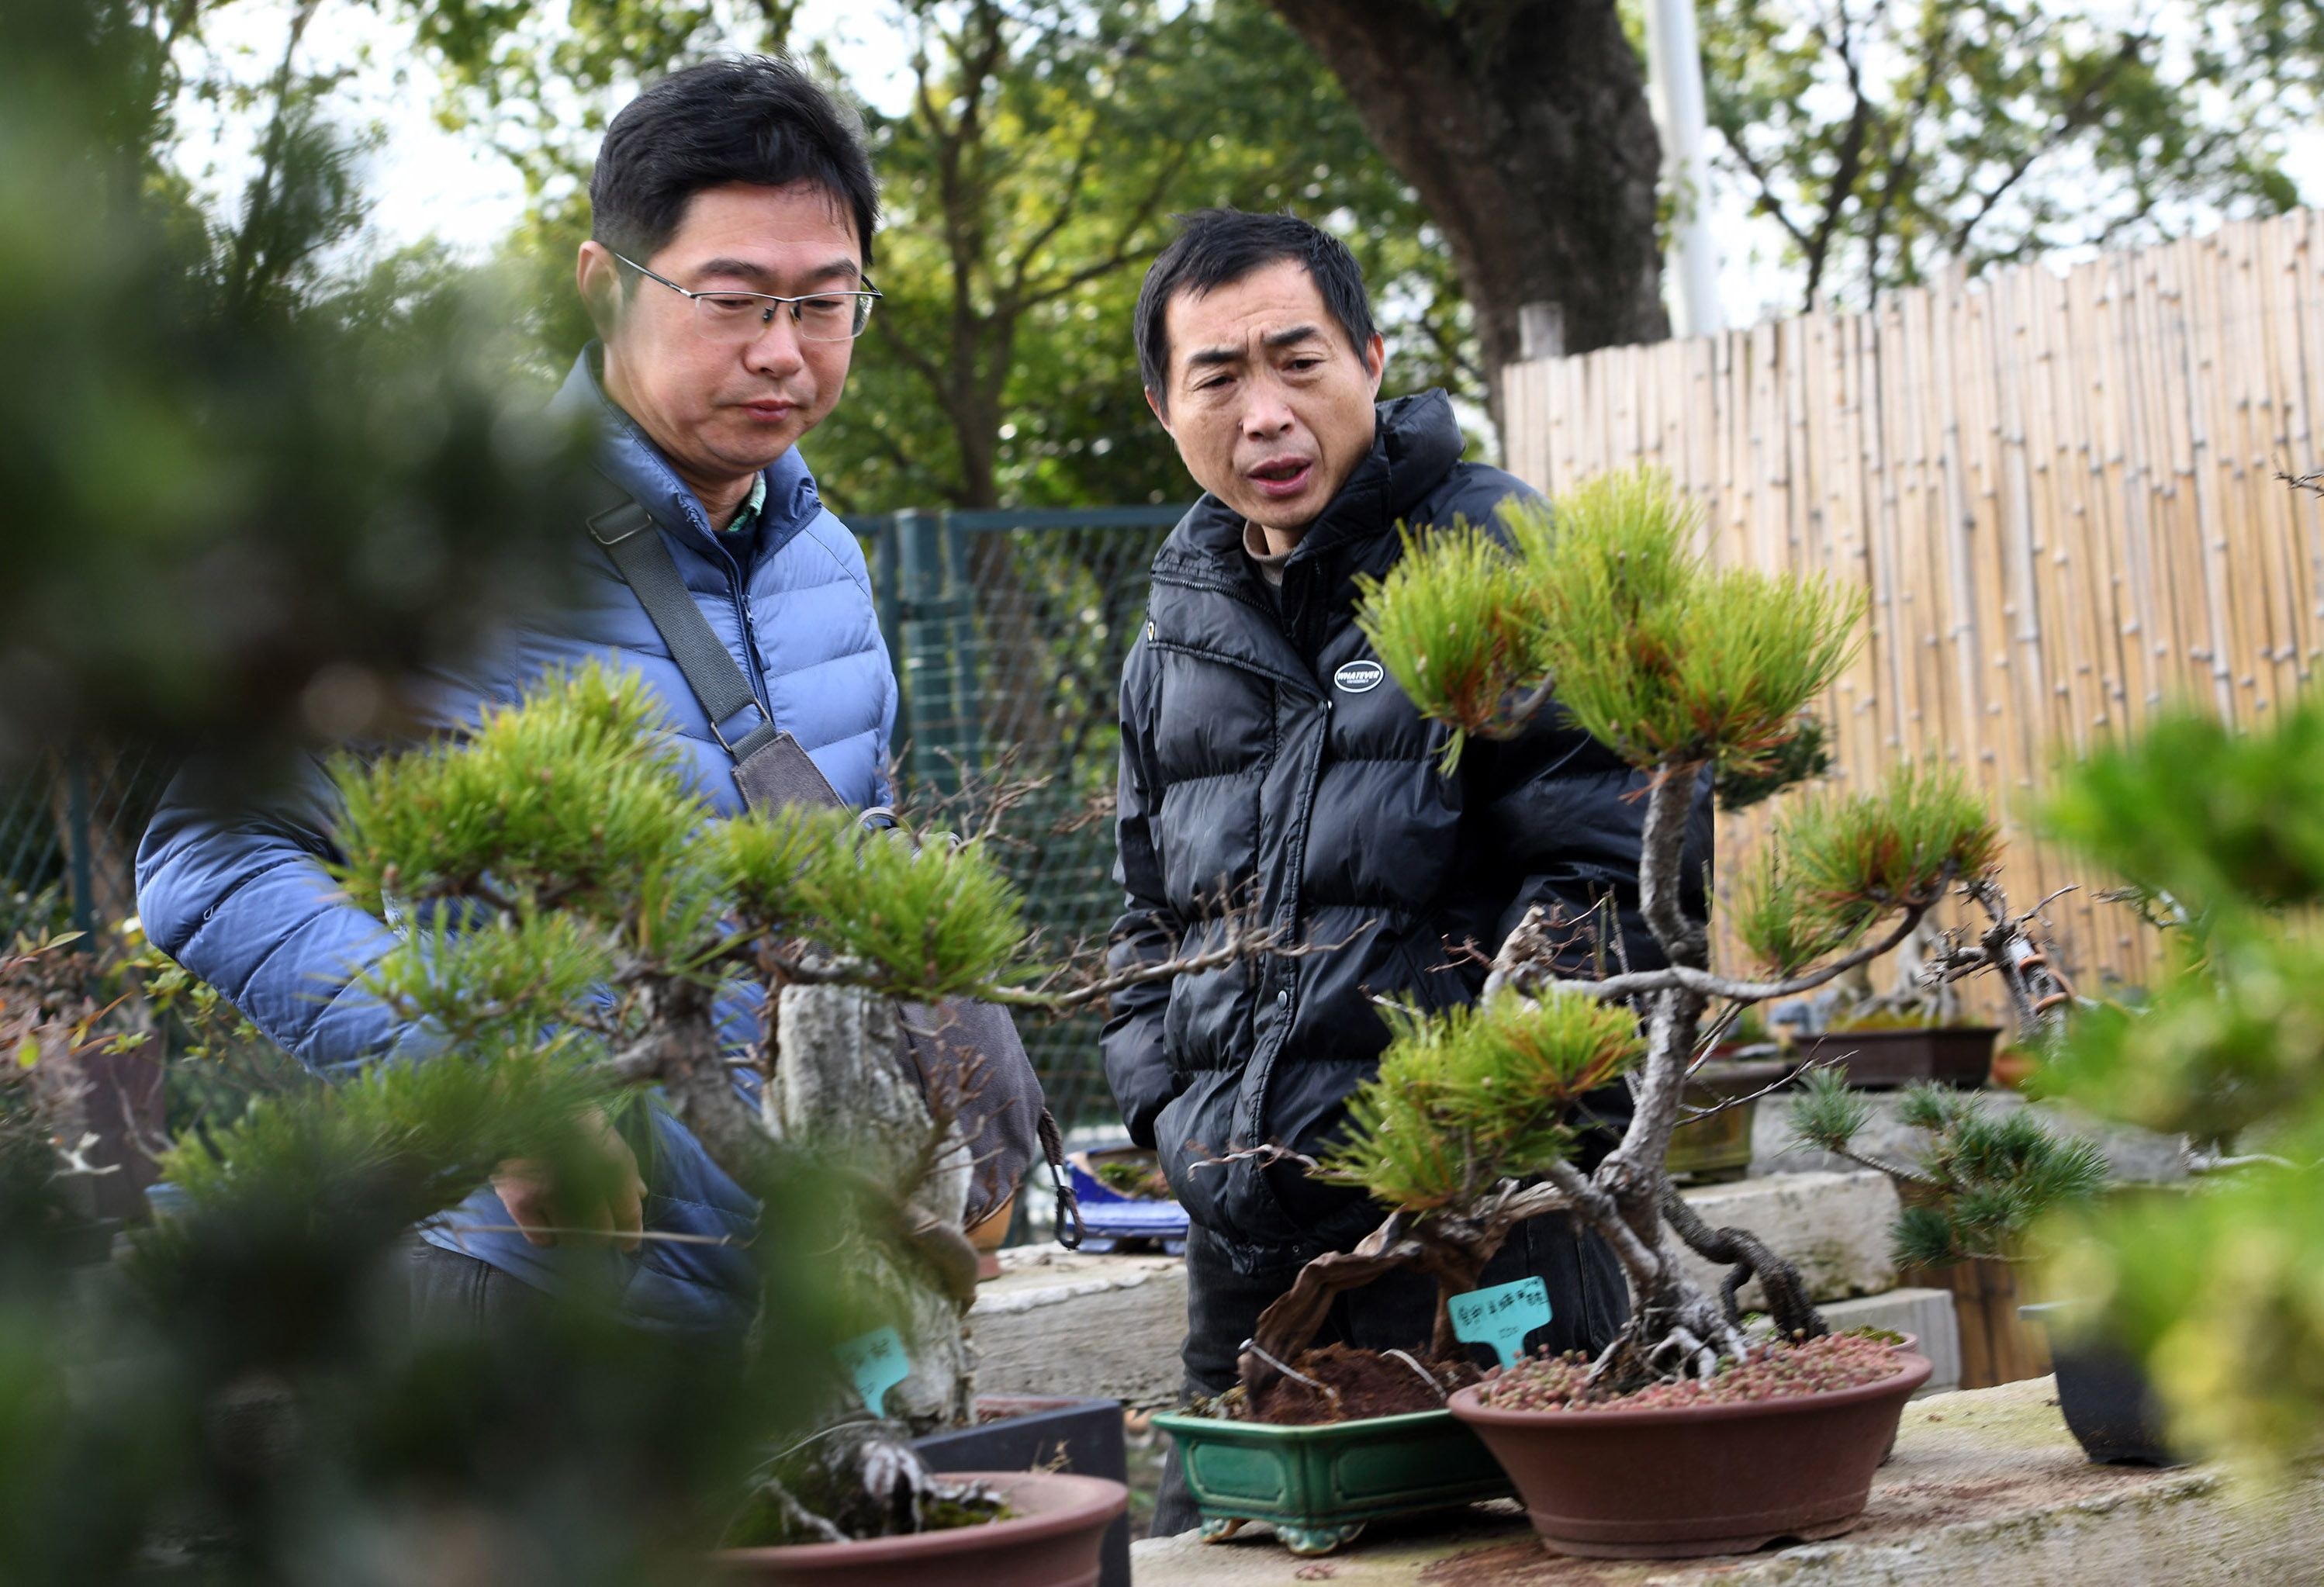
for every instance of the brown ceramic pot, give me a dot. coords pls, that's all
(1719, 1479)
(1051, 1541)
(1950, 1055)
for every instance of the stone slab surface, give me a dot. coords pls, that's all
(1832, 1226)
(1056, 1321)
(1986, 1486)
(2133, 1156)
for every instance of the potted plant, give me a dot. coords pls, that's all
(2210, 828)
(569, 917)
(1978, 1183)
(1603, 606)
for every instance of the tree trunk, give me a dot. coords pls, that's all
(1524, 126)
(840, 1089)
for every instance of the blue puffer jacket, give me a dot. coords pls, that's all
(243, 901)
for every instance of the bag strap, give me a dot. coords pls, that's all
(627, 532)
(1069, 1205)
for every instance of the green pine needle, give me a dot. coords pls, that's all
(1991, 1177)
(1465, 1099)
(1826, 1113)
(1894, 847)
(1450, 623)
(1661, 657)
(1783, 926)
(573, 801)
(936, 920)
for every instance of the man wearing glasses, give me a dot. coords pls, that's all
(734, 208)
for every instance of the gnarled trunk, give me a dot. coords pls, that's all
(842, 1088)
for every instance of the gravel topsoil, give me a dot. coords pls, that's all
(1769, 1371)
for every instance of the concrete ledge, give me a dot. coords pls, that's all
(1832, 1227)
(1985, 1486)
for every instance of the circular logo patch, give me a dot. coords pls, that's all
(1357, 677)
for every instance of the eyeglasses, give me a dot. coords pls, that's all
(738, 319)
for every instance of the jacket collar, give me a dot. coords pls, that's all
(626, 456)
(1415, 442)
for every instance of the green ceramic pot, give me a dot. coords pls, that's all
(1318, 1486)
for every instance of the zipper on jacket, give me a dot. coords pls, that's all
(746, 628)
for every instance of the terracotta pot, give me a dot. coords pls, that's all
(1052, 1541)
(1718, 1479)
(2013, 1066)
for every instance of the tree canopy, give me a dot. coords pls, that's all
(1884, 140)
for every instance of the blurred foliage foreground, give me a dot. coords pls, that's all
(243, 499)
(2219, 1290)
(245, 1395)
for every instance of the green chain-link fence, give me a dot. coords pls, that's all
(68, 831)
(1008, 629)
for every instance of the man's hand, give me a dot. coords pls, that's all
(527, 1188)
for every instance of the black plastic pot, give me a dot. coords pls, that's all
(2104, 1395)
(1029, 1434)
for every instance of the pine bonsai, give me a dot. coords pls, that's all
(1603, 606)
(1980, 1181)
(570, 915)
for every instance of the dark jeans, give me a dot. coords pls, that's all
(1589, 1303)
(456, 1294)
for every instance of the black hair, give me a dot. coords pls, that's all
(751, 118)
(1218, 248)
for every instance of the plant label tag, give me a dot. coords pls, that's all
(876, 1360)
(1501, 1317)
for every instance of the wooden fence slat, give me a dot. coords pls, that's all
(2059, 495)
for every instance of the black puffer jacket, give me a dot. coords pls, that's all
(1266, 754)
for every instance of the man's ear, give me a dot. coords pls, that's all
(598, 276)
(1163, 415)
(1376, 360)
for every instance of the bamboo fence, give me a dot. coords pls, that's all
(2060, 493)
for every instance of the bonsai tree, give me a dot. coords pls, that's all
(1601, 608)
(571, 916)
(1980, 1181)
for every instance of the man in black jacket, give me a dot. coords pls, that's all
(1269, 761)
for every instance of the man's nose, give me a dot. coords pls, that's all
(776, 349)
(1265, 413)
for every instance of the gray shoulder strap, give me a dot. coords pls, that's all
(627, 532)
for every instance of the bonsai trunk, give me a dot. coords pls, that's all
(840, 1086)
(843, 1089)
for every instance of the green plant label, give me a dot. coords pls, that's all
(1501, 1317)
(877, 1362)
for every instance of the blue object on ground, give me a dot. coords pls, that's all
(1108, 1215)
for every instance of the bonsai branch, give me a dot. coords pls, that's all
(1769, 1089)
(1788, 1303)
(1681, 977)
(1241, 942)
